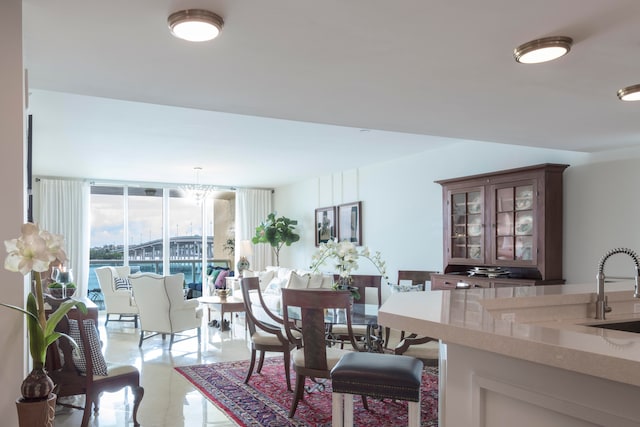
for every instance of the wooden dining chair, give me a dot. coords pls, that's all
(363, 283)
(417, 278)
(265, 337)
(424, 348)
(421, 347)
(315, 359)
(89, 374)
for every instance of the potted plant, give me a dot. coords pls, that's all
(277, 232)
(55, 289)
(70, 289)
(33, 252)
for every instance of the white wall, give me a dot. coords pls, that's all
(402, 206)
(12, 209)
(602, 211)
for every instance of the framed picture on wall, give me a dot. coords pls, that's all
(326, 225)
(350, 222)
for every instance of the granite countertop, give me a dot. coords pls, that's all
(542, 324)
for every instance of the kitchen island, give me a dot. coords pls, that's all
(528, 356)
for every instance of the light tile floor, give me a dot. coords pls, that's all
(169, 399)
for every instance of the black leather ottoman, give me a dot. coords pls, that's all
(381, 376)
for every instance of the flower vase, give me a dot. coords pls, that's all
(223, 293)
(344, 285)
(37, 385)
(37, 406)
(36, 412)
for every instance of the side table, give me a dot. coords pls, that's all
(229, 304)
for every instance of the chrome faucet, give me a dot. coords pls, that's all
(601, 299)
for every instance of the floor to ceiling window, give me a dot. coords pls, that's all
(189, 236)
(143, 229)
(158, 228)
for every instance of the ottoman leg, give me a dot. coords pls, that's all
(348, 410)
(337, 409)
(414, 414)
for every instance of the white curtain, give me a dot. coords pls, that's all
(62, 207)
(252, 207)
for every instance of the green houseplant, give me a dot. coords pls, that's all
(277, 232)
(33, 252)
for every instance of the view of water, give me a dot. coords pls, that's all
(191, 269)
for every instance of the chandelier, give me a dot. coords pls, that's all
(197, 192)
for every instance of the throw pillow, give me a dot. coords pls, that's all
(315, 281)
(297, 282)
(99, 364)
(274, 286)
(221, 280)
(327, 281)
(214, 275)
(122, 284)
(265, 278)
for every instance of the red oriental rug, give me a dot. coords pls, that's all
(265, 401)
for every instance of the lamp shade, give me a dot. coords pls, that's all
(245, 250)
(195, 25)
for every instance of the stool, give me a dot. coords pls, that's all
(381, 376)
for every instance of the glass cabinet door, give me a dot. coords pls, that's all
(467, 225)
(514, 223)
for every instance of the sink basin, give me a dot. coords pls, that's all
(627, 326)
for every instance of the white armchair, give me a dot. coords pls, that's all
(163, 309)
(117, 301)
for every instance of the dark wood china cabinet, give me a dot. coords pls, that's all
(503, 229)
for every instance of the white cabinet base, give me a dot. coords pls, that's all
(483, 389)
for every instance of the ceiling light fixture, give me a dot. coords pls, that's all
(542, 50)
(195, 25)
(197, 191)
(630, 93)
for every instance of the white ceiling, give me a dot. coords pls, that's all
(413, 72)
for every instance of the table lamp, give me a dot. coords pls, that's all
(244, 251)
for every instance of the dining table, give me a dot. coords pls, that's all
(361, 314)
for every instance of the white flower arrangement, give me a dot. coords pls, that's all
(345, 256)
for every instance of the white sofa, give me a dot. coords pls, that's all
(273, 279)
(118, 302)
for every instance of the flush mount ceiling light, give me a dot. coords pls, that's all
(195, 25)
(629, 93)
(542, 50)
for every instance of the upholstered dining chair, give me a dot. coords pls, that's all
(370, 290)
(88, 373)
(163, 309)
(264, 337)
(417, 278)
(424, 348)
(421, 347)
(315, 359)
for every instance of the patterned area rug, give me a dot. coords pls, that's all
(265, 401)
